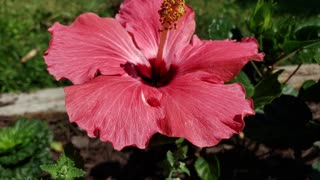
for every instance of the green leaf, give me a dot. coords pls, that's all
(260, 20)
(310, 91)
(317, 56)
(309, 53)
(63, 169)
(183, 168)
(261, 101)
(285, 123)
(308, 32)
(316, 166)
(179, 141)
(49, 168)
(57, 146)
(289, 90)
(245, 81)
(307, 84)
(207, 170)
(176, 166)
(24, 147)
(293, 45)
(170, 158)
(266, 90)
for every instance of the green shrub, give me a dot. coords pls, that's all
(23, 148)
(63, 169)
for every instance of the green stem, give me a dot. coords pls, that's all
(316, 42)
(256, 69)
(292, 74)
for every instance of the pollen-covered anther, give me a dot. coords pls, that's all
(170, 13)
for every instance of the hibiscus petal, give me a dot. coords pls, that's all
(222, 59)
(142, 20)
(179, 38)
(89, 46)
(203, 112)
(115, 107)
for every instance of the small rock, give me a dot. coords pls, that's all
(80, 141)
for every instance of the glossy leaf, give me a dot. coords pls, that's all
(245, 81)
(288, 111)
(207, 170)
(176, 165)
(308, 32)
(293, 45)
(285, 123)
(317, 56)
(309, 53)
(308, 84)
(289, 90)
(310, 91)
(170, 158)
(267, 90)
(260, 20)
(183, 168)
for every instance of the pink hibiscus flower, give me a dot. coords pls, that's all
(145, 72)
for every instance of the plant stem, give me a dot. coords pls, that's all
(294, 72)
(256, 69)
(314, 43)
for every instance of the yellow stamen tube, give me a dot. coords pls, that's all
(170, 13)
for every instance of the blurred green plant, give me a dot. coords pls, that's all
(175, 160)
(260, 19)
(267, 90)
(176, 165)
(283, 121)
(208, 169)
(64, 169)
(24, 38)
(23, 148)
(285, 39)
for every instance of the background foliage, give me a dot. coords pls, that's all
(287, 31)
(23, 148)
(23, 28)
(280, 30)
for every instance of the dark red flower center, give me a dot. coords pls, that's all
(150, 75)
(158, 74)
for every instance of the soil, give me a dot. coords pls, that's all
(97, 158)
(239, 157)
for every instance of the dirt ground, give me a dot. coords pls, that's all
(101, 161)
